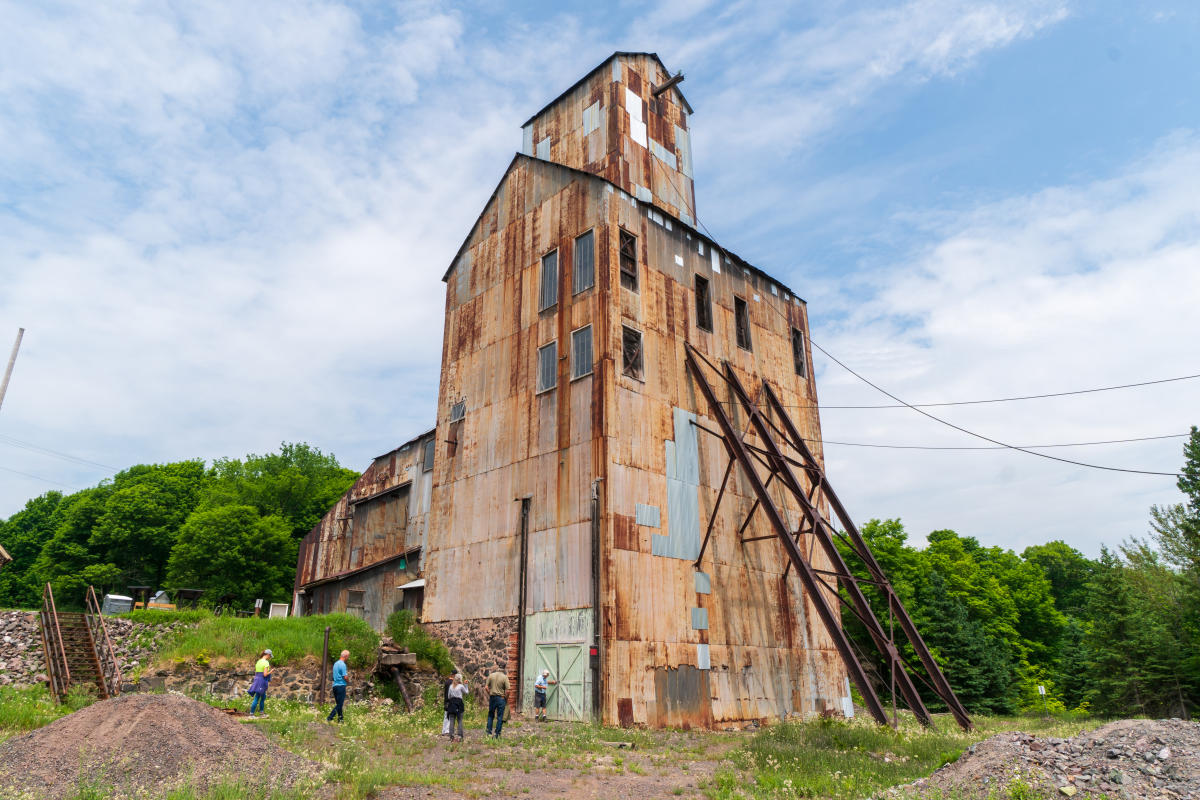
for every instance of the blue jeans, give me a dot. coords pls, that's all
(496, 706)
(339, 697)
(258, 700)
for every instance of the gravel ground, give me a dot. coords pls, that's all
(1130, 758)
(142, 740)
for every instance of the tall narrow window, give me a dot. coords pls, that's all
(581, 352)
(703, 305)
(628, 255)
(798, 354)
(741, 317)
(585, 263)
(549, 280)
(547, 367)
(631, 353)
(427, 456)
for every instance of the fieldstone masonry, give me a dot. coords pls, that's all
(479, 645)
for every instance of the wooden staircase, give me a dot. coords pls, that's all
(77, 648)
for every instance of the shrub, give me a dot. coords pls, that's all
(402, 626)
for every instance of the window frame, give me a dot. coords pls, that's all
(641, 356)
(591, 352)
(740, 305)
(633, 276)
(538, 388)
(428, 455)
(543, 306)
(799, 357)
(705, 310)
(576, 287)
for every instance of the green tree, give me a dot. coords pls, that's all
(298, 484)
(1068, 572)
(23, 535)
(231, 550)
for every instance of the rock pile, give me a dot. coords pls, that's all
(21, 662)
(1126, 759)
(148, 741)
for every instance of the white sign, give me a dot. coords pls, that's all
(1041, 690)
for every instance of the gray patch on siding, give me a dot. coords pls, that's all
(543, 149)
(700, 619)
(702, 658)
(703, 583)
(682, 539)
(662, 154)
(643, 194)
(527, 140)
(685, 218)
(647, 515)
(616, 69)
(683, 143)
(591, 118)
(462, 276)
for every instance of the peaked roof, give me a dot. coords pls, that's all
(601, 66)
(521, 157)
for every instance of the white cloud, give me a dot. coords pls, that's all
(1072, 287)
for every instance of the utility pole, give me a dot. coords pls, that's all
(11, 361)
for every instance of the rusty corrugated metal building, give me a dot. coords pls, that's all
(570, 486)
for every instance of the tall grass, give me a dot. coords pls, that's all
(29, 708)
(405, 631)
(163, 616)
(291, 639)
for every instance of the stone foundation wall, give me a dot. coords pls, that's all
(289, 683)
(480, 645)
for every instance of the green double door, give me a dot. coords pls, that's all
(567, 662)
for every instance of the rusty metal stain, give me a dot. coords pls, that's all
(681, 698)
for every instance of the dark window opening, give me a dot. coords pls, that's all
(585, 263)
(631, 353)
(549, 281)
(741, 315)
(798, 354)
(355, 598)
(581, 352)
(458, 410)
(427, 456)
(629, 270)
(547, 367)
(704, 318)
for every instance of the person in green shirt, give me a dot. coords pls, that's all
(258, 686)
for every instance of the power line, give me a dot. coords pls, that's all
(1023, 446)
(980, 435)
(12, 442)
(37, 477)
(1009, 399)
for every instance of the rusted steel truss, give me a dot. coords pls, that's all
(769, 454)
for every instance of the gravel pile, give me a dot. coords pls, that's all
(1126, 759)
(144, 741)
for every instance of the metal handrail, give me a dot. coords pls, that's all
(54, 651)
(110, 667)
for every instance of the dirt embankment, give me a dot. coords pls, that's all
(1127, 759)
(143, 740)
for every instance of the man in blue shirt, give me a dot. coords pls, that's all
(340, 674)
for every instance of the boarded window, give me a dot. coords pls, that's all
(798, 354)
(427, 456)
(549, 281)
(741, 316)
(704, 319)
(631, 353)
(547, 367)
(581, 352)
(585, 262)
(629, 269)
(354, 598)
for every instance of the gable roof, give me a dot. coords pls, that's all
(521, 158)
(600, 66)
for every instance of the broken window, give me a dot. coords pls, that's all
(628, 255)
(631, 353)
(798, 354)
(585, 263)
(704, 319)
(355, 598)
(549, 280)
(741, 316)
(547, 367)
(581, 352)
(427, 456)
(458, 410)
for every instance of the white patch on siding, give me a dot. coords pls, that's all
(527, 140)
(796, 300)
(848, 702)
(647, 515)
(683, 143)
(667, 222)
(774, 290)
(679, 259)
(633, 104)
(543, 149)
(786, 297)
(643, 194)
(757, 299)
(662, 154)
(637, 131)
(702, 657)
(591, 118)
(700, 247)
(616, 69)
(716, 262)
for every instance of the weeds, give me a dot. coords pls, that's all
(220, 639)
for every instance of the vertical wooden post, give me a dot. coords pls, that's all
(324, 666)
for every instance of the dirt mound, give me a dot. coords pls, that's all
(1130, 758)
(144, 740)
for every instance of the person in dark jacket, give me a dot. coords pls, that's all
(258, 686)
(455, 705)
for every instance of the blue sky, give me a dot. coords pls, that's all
(224, 225)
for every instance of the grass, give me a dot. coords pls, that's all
(27, 709)
(162, 616)
(218, 639)
(405, 631)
